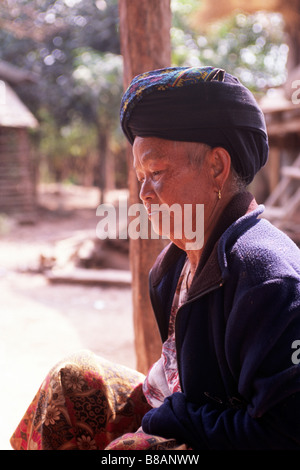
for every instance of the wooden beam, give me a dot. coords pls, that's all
(145, 45)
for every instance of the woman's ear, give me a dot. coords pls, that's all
(220, 166)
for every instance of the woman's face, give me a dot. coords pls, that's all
(172, 187)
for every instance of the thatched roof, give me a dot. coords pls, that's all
(14, 75)
(13, 112)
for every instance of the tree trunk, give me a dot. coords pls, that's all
(293, 37)
(100, 167)
(145, 45)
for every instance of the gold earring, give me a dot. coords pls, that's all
(219, 194)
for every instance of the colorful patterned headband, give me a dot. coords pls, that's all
(163, 79)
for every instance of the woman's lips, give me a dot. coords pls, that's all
(155, 209)
(151, 211)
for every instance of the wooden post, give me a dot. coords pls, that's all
(145, 45)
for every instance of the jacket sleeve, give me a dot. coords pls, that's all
(260, 333)
(209, 428)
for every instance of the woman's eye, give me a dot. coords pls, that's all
(141, 179)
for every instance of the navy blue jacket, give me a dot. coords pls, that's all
(234, 338)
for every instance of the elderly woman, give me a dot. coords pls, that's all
(228, 308)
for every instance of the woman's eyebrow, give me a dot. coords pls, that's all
(147, 156)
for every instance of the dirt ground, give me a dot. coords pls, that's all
(41, 322)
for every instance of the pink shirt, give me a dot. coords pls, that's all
(163, 379)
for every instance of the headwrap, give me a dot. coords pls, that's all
(198, 104)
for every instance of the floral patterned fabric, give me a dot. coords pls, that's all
(88, 403)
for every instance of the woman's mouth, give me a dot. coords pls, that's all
(151, 209)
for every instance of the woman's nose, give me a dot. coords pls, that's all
(146, 191)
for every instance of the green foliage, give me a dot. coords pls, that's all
(67, 153)
(251, 47)
(73, 46)
(98, 78)
(45, 36)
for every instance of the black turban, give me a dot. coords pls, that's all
(198, 104)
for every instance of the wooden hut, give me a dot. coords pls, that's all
(17, 166)
(282, 112)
